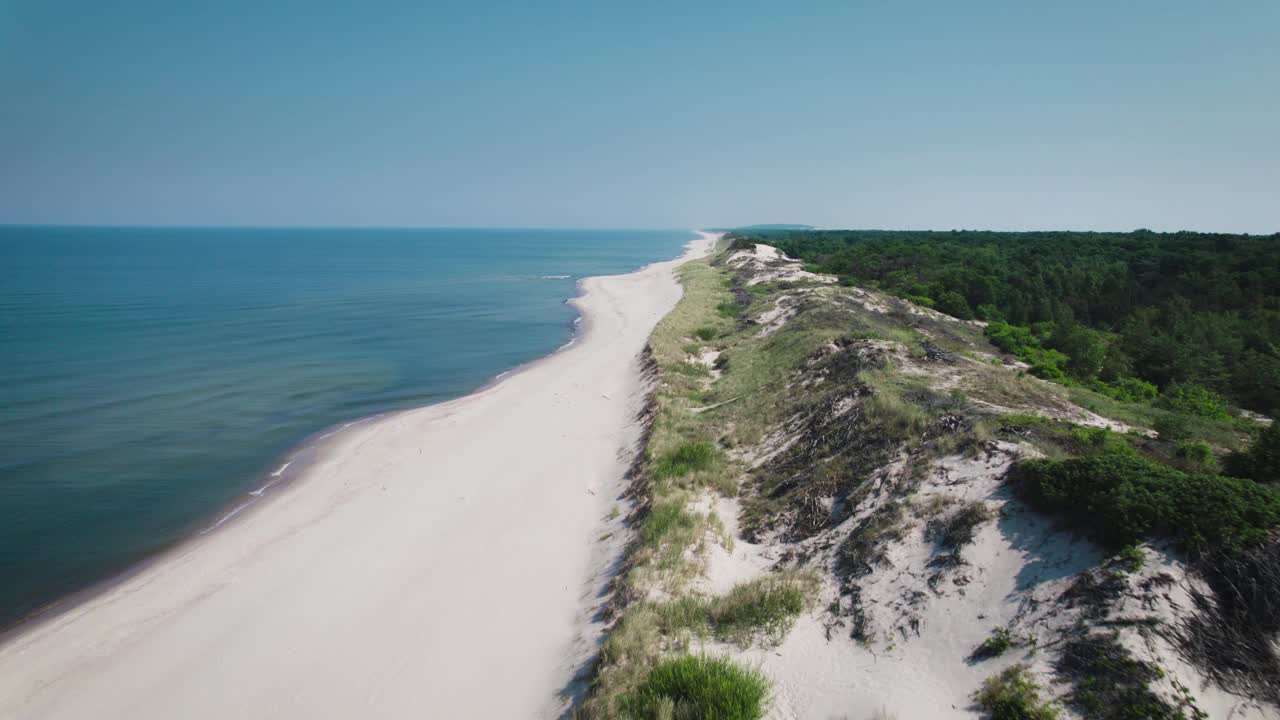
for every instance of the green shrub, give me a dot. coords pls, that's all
(954, 304)
(1095, 440)
(1131, 558)
(686, 458)
(1083, 347)
(704, 333)
(994, 646)
(697, 686)
(1131, 389)
(1262, 460)
(1171, 427)
(1013, 339)
(1024, 343)
(1122, 500)
(1046, 365)
(1194, 400)
(1013, 695)
(1198, 454)
(987, 311)
(920, 300)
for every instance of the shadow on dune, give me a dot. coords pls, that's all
(1052, 553)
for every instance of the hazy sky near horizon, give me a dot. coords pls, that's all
(1092, 114)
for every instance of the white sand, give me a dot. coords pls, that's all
(436, 563)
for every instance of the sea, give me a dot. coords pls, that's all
(153, 381)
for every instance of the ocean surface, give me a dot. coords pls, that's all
(151, 378)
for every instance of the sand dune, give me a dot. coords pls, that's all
(434, 563)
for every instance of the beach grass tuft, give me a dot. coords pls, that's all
(765, 606)
(762, 609)
(699, 686)
(686, 458)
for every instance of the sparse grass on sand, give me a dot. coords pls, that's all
(760, 609)
(999, 643)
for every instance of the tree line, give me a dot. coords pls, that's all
(1185, 319)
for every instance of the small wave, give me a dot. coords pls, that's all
(554, 277)
(228, 516)
(283, 467)
(259, 491)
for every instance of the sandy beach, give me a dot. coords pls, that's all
(440, 562)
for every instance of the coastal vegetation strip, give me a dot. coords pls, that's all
(846, 430)
(1194, 317)
(659, 620)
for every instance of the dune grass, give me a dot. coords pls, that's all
(765, 606)
(686, 458)
(664, 521)
(699, 686)
(761, 610)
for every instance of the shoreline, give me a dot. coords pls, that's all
(289, 467)
(295, 474)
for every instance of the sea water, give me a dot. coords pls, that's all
(152, 378)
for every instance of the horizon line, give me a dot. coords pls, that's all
(711, 228)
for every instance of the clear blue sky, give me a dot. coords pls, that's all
(1091, 114)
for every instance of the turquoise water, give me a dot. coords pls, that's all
(150, 377)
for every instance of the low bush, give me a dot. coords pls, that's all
(994, 646)
(1194, 400)
(1131, 558)
(1197, 454)
(1025, 344)
(1261, 461)
(1126, 389)
(1171, 427)
(1121, 500)
(704, 333)
(1013, 695)
(1096, 440)
(698, 686)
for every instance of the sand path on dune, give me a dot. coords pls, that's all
(433, 563)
